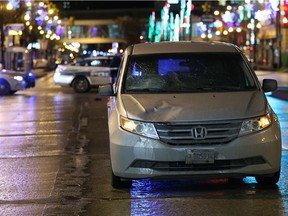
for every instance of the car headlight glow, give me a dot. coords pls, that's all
(138, 127)
(255, 124)
(59, 70)
(19, 78)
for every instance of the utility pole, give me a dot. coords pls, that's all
(279, 37)
(2, 36)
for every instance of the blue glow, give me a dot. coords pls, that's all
(168, 66)
(136, 72)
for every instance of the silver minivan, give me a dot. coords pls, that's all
(191, 109)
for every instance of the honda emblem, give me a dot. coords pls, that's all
(199, 132)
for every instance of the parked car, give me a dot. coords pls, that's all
(85, 74)
(12, 81)
(191, 109)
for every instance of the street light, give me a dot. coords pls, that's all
(9, 6)
(3, 7)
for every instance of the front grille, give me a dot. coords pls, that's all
(217, 132)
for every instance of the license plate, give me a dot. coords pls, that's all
(202, 156)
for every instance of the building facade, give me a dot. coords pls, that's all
(259, 27)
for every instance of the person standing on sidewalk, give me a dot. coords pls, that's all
(114, 65)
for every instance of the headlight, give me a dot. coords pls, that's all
(138, 127)
(59, 69)
(56, 74)
(19, 78)
(256, 124)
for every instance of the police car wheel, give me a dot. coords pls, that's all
(81, 85)
(12, 92)
(4, 87)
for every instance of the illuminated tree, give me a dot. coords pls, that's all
(41, 21)
(8, 14)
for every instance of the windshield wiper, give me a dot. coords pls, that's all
(231, 88)
(224, 88)
(147, 90)
(210, 88)
(188, 89)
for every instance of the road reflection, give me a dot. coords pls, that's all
(170, 197)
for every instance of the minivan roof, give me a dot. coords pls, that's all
(183, 46)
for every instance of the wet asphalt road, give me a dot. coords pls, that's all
(55, 161)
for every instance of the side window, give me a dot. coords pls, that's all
(78, 63)
(95, 63)
(105, 62)
(82, 63)
(87, 63)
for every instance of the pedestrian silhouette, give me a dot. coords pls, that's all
(114, 65)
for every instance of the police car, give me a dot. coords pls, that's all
(13, 81)
(84, 74)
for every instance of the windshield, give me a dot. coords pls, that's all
(187, 72)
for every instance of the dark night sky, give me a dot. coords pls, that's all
(118, 8)
(96, 5)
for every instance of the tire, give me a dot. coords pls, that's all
(81, 85)
(117, 183)
(5, 88)
(271, 180)
(12, 92)
(235, 180)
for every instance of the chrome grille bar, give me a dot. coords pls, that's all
(218, 132)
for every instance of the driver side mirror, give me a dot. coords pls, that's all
(106, 90)
(269, 85)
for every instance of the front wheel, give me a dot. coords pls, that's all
(4, 87)
(81, 85)
(12, 92)
(116, 182)
(271, 180)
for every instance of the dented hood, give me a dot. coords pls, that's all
(194, 106)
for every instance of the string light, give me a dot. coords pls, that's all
(234, 19)
(45, 17)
